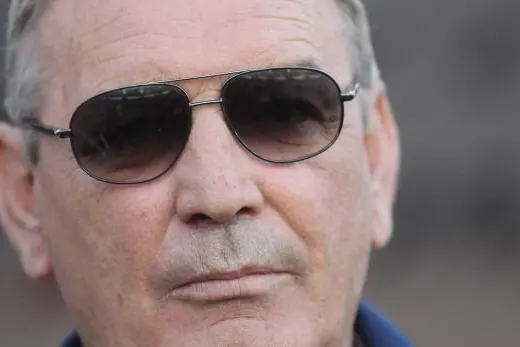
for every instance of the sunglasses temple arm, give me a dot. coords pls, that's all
(350, 95)
(48, 130)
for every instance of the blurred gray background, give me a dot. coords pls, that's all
(450, 277)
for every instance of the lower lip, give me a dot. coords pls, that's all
(221, 290)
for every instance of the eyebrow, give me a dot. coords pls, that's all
(307, 63)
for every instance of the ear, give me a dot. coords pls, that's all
(17, 207)
(383, 149)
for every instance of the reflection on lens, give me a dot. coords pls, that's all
(132, 134)
(284, 115)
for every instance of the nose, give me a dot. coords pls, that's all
(214, 178)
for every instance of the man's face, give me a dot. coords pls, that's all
(117, 251)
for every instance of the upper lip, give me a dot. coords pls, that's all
(229, 275)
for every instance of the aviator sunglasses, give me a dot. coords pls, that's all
(135, 134)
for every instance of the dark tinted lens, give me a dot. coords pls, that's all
(284, 114)
(132, 134)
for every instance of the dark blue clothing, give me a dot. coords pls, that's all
(373, 329)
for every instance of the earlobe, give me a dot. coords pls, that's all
(17, 211)
(382, 144)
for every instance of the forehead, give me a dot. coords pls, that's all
(95, 45)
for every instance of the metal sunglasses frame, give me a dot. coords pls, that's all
(62, 133)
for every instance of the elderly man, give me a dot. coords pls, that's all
(200, 173)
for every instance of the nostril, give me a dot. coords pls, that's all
(199, 217)
(204, 218)
(245, 210)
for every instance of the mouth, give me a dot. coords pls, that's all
(222, 286)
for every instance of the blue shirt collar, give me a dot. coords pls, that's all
(371, 326)
(375, 330)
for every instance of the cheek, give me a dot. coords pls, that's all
(329, 192)
(328, 202)
(109, 234)
(102, 242)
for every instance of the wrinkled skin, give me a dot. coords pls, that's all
(114, 249)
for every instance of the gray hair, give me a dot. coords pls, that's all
(23, 76)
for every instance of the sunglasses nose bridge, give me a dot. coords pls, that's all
(206, 102)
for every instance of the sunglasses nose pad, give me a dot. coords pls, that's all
(210, 131)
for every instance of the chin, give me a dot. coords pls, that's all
(250, 332)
